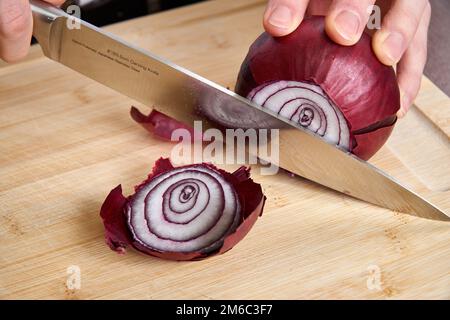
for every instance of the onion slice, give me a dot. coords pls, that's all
(185, 213)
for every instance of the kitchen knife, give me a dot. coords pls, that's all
(178, 92)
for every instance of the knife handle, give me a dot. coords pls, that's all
(44, 27)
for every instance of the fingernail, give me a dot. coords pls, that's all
(281, 17)
(347, 24)
(393, 46)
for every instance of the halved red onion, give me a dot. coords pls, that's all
(184, 213)
(344, 94)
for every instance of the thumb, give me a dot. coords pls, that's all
(284, 16)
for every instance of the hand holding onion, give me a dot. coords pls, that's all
(402, 38)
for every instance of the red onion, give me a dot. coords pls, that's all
(159, 124)
(343, 94)
(184, 213)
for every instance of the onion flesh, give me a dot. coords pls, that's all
(306, 106)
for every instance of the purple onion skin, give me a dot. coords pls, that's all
(365, 90)
(160, 125)
(118, 235)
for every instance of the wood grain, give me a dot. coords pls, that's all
(66, 141)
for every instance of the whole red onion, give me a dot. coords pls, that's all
(344, 94)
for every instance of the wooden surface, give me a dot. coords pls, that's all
(67, 141)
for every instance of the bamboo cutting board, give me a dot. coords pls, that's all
(67, 141)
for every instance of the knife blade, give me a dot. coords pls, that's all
(177, 92)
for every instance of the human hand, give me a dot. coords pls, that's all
(402, 39)
(16, 26)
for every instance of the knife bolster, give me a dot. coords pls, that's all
(46, 27)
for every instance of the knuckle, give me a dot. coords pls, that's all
(404, 20)
(14, 20)
(411, 20)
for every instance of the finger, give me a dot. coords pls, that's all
(16, 26)
(347, 19)
(398, 29)
(15, 29)
(55, 2)
(410, 68)
(284, 16)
